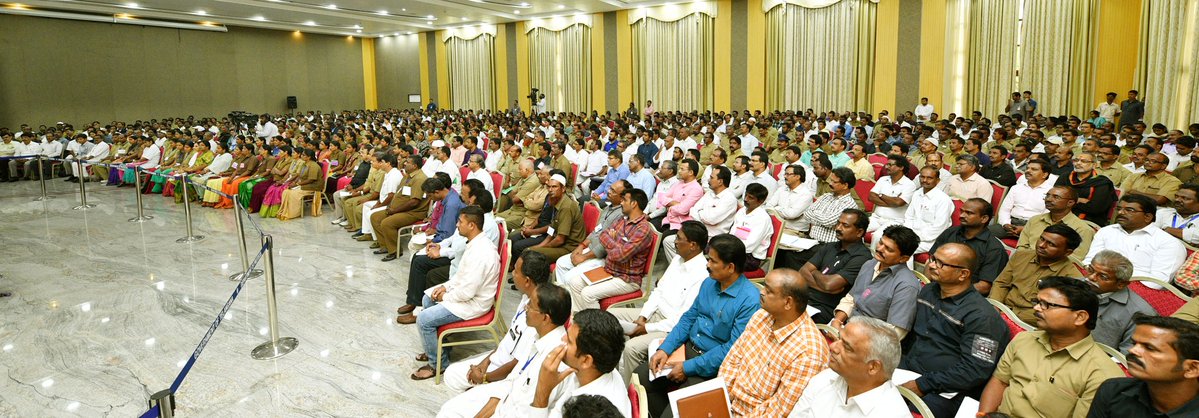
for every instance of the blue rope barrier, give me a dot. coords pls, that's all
(152, 413)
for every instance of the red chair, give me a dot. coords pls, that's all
(574, 173)
(777, 170)
(491, 322)
(1014, 324)
(1111, 213)
(770, 251)
(877, 158)
(1165, 301)
(647, 281)
(497, 185)
(863, 188)
(997, 193)
(830, 334)
(463, 172)
(638, 399)
(591, 215)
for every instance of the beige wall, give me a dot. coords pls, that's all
(61, 70)
(397, 69)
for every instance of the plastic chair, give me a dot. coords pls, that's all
(917, 403)
(316, 196)
(771, 251)
(463, 172)
(491, 322)
(1111, 213)
(647, 281)
(497, 187)
(591, 215)
(638, 398)
(777, 170)
(1014, 324)
(877, 158)
(863, 188)
(830, 334)
(997, 193)
(1116, 356)
(922, 278)
(1165, 301)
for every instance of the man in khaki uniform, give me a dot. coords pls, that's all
(515, 197)
(566, 228)
(408, 206)
(1016, 285)
(1155, 182)
(352, 206)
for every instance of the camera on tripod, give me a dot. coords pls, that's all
(533, 94)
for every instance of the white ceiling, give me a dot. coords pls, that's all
(369, 18)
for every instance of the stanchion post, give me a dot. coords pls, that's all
(187, 213)
(238, 213)
(141, 216)
(277, 346)
(83, 205)
(165, 401)
(41, 179)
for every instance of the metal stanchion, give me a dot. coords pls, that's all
(41, 179)
(277, 346)
(83, 205)
(187, 212)
(165, 401)
(141, 216)
(238, 213)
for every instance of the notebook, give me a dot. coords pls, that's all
(597, 275)
(708, 399)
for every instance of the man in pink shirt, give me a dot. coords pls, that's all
(679, 199)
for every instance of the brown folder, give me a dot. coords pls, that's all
(709, 404)
(597, 275)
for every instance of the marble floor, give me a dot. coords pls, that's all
(105, 312)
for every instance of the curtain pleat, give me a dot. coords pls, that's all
(1057, 59)
(560, 65)
(1166, 74)
(472, 72)
(673, 63)
(991, 58)
(820, 58)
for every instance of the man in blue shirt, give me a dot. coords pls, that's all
(641, 178)
(616, 172)
(724, 305)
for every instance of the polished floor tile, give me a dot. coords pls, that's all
(106, 312)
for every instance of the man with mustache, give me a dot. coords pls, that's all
(1153, 252)
(1054, 371)
(976, 215)
(1016, 285)
(1164, 364)
(1182, 220)
(1109, 273)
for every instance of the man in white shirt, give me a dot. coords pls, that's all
(749, 142)
(924, 111)
(666, 180)
(1153, 252)
(98, 152)
(759, 163)
(546, 312)
(861, 362)
(891, 194)
(468, 294)
(1182, 220)
(531, 270)
(791, 201)
(444, 164)
(930, 211)
(391, 184)
(265, 128)
(675, 292)
(741, 176)
(26, 146)
(1024, 200)
(593, 361)
(715, 210)
(1108, 109)
(478, 172)
(752, 225)
(968, 183)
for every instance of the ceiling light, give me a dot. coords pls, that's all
(409, 32)
(524, 5)
(123, 16)
(430, 17)
(382, 12)
(132, 5)
(356, 27)
(258, 18)
(403, 10)
(309, 23)
(396, 34)
(201, 12)
(463, 19)
(428, 22)
(331, 7)
(18, 6)
(561, 6)
(359, 31)
(516, 11)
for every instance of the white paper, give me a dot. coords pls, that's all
(795, 242)
(629, 327)
(902, 376)
(406, 191)
(968, 409)
(551, 231)
(419, 238)
(653, 348)
(714, 383)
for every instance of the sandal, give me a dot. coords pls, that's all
(423, 373)
(422, 357)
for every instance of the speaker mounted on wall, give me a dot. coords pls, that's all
(292, 103)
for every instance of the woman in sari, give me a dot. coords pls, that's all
(279, 172)
(237, 169)
(244, 188)
(307, 182)
(183, 153)
(272, 198)
(201, 158)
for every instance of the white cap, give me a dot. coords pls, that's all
(558, 178)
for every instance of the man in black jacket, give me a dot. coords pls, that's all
(1096, 194)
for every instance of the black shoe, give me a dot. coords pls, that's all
(356, 235)
(69, 179)
(389, 257)
(381, 251)
(375, 246)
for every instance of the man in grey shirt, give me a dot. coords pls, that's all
(885, 288)
(1109, 273)
(1131, 110)
(1017, 106)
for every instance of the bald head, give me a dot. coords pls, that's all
(953, 265)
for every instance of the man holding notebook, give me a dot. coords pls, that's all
(590, 253)
(627, 244)
(707, 330)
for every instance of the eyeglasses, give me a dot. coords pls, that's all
(1128, 209)
(1050, 305)
(933, 260)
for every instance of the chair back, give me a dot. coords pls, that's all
(1014, 324)
(877, 159)
(1166, 301)
(497, 187)
(640, 403)
(956, 216)
(1111, 213)
(863, 188)
(777, 170)
(1116, 356)
(503, 226)
(463, 172)
(918, 404)
(591, 215)
(775, 236)
(997, 193)
(921, 277)
(574, 172)
(830, 334)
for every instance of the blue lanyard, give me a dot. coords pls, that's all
(1174, 222)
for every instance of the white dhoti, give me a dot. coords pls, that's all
(367, 209)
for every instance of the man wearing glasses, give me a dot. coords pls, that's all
(957, 336)
(1155, 182)
(1153, 252)
(1095, 192)
(1054, 371)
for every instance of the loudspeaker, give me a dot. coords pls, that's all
(291, 102)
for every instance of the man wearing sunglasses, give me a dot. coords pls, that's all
(1054, 371)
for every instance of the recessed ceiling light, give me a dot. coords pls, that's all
(258, 18)
(201, 12)
(309, 23)
(331, 7)
(396, 34)
(524, 5)
(516, 11)
(463, 19)
(403, 10)
(430, 17)
(357, 26)
(409, 32)
(123, 16)
(132, 5)
(428, 22)
(561, 6)
(382, 12)
(359, 31)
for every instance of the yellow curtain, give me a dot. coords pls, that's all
(1166, 75)
(560, 65)
(1057, 56)
(673, 62)
(991, 56)
(472, 72)
(820, 58)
